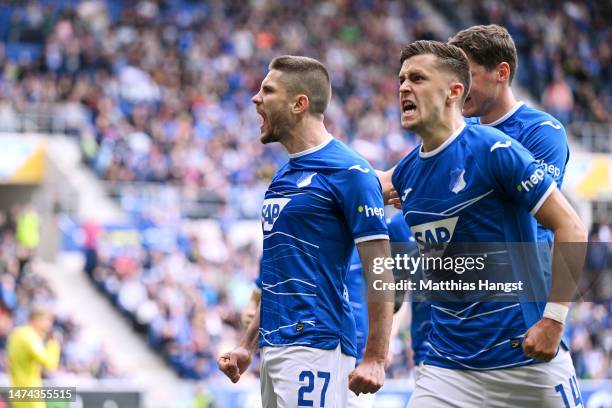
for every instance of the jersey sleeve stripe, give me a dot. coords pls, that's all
(548, 192)
(371, 238)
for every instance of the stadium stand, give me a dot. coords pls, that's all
(22, 288)
(158, 95)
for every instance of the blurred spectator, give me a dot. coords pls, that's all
(564, 51)
(23, 290)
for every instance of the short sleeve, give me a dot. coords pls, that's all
(359, 195)
(518, 175)
(548, 144)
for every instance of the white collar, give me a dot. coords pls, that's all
(312, 149)
(506, 115)
(438, 149)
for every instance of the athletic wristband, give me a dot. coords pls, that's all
(556, 311)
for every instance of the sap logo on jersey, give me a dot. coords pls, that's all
(371, 211)
(533, 180)
(270, 211)
(432, 234)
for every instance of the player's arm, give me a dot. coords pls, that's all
(235, 362)
(248, 313)
(569, 250)
(369, 376)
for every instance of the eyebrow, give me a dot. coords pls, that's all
(411, 72)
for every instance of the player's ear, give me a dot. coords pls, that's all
(300, 104)
(503, 72)
(455, 92)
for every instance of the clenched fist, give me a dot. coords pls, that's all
(542, 339)
(367, 377)
(234, 363)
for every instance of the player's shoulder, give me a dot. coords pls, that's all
(481, 138)
(343, 162)
(532, 119)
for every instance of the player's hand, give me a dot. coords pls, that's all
(542, 339)
(234, 363)
(367, 377)
(394, 199)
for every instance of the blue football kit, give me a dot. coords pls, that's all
(544, 137)
(480, 186)
(318, 206)
(546, 140)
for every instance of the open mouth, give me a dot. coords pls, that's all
(408, 107)
(262, 121)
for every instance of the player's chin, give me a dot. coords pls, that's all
(266, 137)
(409, 123)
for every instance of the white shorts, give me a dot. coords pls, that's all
(361, 401)
(418, 370)
(297, 376)
(545, 385)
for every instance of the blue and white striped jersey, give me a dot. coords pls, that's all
(318, 206)
(480, 186)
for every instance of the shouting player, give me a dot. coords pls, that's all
(493, 62)
(321, 203)
(474, 184)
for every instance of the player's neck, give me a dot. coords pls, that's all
(436, 134)
(308, 133)
(504, 103)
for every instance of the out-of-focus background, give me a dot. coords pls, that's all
(131, 174)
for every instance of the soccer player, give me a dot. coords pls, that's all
(474, 184)
(27, 353)
(493, 62)
(321, 203)
(357, 293)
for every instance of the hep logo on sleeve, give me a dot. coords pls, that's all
(271, 210)
(535, 177)
(371, 211)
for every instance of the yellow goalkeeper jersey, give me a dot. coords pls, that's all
(27, 355)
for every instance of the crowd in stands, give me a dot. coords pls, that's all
(22, 288)
(159, 91)
(565, 56)
(187, 302)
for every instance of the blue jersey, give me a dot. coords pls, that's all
(358, 299)
(479, 186)
(544, 137)
(318, 206)
(398, 232)
(420, 324)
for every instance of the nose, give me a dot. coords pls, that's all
(404, 87)
(256, 99)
